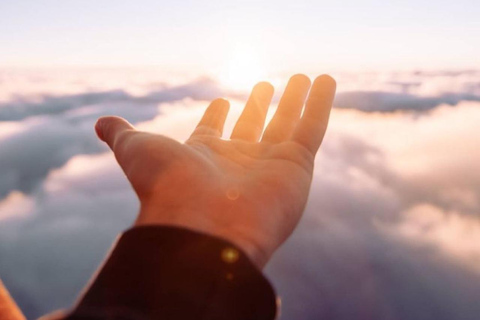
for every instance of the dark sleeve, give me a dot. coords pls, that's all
(159, 272)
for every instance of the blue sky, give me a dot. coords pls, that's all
(296, 36)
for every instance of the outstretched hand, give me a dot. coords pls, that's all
(251, 189)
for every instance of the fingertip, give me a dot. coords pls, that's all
(265, 87)
(220, 106)
(325, 80)
(107, 126)
(222, 102)
(104, 120)
(226, 105)
(98, 128)
(301, 79)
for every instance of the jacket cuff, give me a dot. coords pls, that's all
(163, 272)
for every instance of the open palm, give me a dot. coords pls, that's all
(247, 191)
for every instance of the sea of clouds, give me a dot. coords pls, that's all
(391, 230)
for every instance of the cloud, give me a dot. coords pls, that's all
(42, 144)
(369, 92)
(455, 234)
(50, 251)
(390, 231)
(409, 91)
(42, 133)
(369, 101)
(419, 83)
(23, 107)
(379, 239)
(435, 154)
(16, 204)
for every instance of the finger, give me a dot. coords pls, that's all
(289, 109)
(249, 126)
(109, 129)
(311, 128)
(213, 119)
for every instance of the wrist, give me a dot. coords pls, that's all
(203, 224)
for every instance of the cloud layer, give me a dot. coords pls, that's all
(391, 230)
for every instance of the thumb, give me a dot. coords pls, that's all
(109, 128)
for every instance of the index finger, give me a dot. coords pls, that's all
(311, 128)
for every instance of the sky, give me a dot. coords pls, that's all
(205, 37)
(392, 226)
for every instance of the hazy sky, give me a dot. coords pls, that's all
(206, 36)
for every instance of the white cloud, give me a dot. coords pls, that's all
(435, 154)
(390, 231)
(452, 233)
(15, 205)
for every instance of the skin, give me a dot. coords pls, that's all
(8, 309)
(250, 189)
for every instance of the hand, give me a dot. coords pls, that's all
(248, 192)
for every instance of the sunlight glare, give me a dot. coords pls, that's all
(243, 69)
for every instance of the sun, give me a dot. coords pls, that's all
(243, 68)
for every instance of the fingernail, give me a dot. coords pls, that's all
(98, 129)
